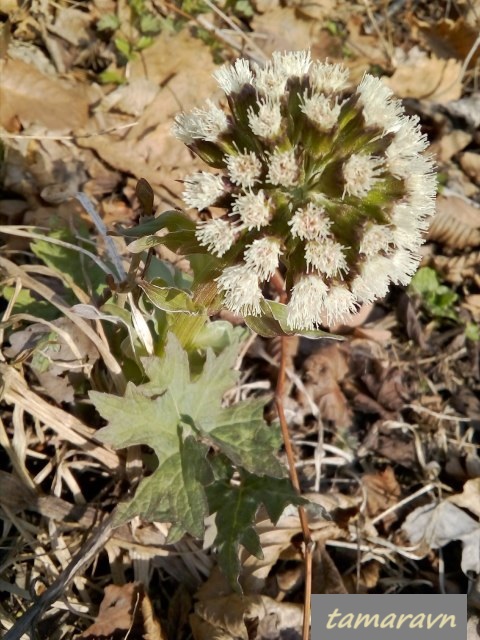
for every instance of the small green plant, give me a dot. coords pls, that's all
(134, 37)
(438, 300)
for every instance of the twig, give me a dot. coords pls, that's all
(73, 136)
(235, 27)
(87, 552)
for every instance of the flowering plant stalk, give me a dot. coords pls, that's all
(315, 200)
(324, 189)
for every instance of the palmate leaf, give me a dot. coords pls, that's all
(175, 492)
(179, 415)
(236, 507)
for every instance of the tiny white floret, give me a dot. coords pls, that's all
(232, 78)
(202, 190)
(320, 110)
(310, 223)
(266, 123)
(326, 256)
(216, 235)
(339, 305)
(380, 108)
(283, 168)
(360, 174)
(244, 169)
(203, 124)
(292, 63)
(242, 294)
(262, 257)
(307, 302)
(329, 78)
(253, 209)
(376, 238)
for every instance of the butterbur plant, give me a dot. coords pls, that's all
(319, 181)
(313, 201)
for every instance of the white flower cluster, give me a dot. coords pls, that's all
(322, 181)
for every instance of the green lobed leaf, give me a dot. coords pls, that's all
(151, 414)
(236, 506)
(247, 440)
(175, 492)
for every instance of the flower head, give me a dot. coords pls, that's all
(216, 235)
(242, 294)
(327, 177)
(262, 257)
(202, 190)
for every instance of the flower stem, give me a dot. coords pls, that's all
(307, 538)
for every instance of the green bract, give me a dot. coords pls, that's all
(314, 175)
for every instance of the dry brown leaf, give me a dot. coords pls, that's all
(469, 498)
(284, 30)
(382, 336)
(125, 608)
(456, 269)
(429, 79)
(132, 98)
(118, 611)
(321, 372)
(395, 445)
(367, 579)
(435, 525)
(276, 541)
(33, 97)
(319, 9)
(382, 489)
(149, 150)
(470, 163)
(73, 26)
(325, 576)
(456, 223)
(472, 303)
(450, 38)
(365, 46)
(450, 144)
(237, 617)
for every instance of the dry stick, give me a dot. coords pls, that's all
(277, 282)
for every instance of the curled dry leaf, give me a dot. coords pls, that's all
(382, 489)
(450, 38)
(322, 371)
(33, 97)
(394, 444)
(456, 269)
(470, 163)
(450, 144)
(237, 617)
(456, 223)
(325, 576)
(125, 609)
(435, 525)
(327, 516)
(429, 79)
